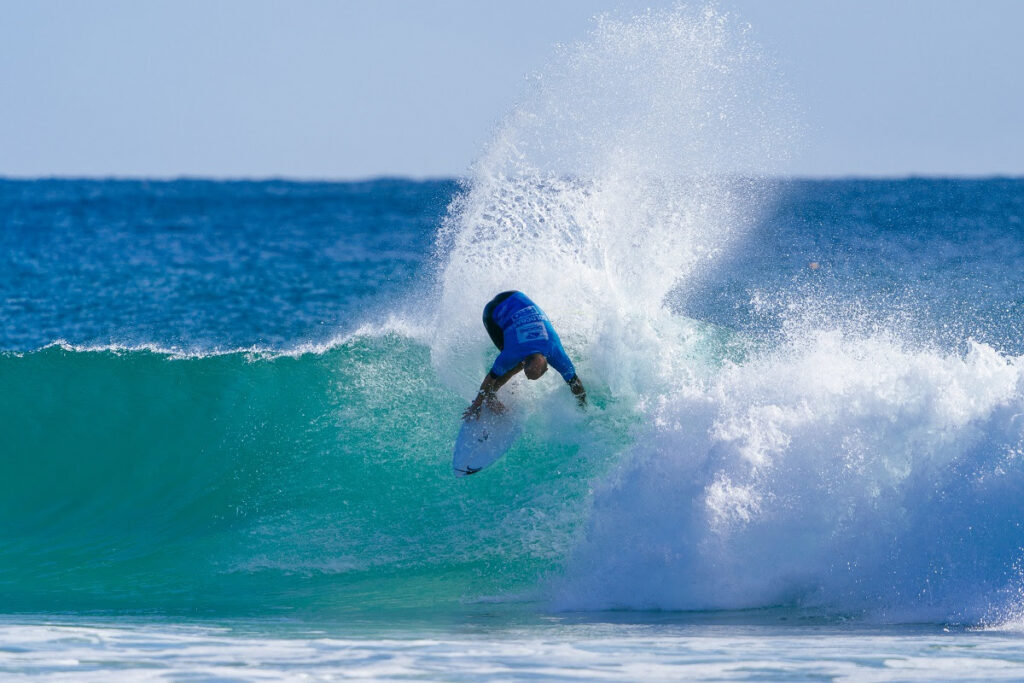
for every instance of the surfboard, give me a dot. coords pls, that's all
(484, 439)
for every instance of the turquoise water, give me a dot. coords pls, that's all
(319, 482)
(228, 408)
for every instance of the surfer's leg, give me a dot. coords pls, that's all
(493, 328)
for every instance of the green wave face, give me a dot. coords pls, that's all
(234, 483)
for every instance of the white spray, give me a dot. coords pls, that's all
(848, 470)
(618, 175)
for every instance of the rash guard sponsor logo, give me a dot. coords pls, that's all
(531, 332)
(529, 314)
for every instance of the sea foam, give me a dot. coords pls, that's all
(853, 474)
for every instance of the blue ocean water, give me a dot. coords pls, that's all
(225, 470)
(228, 408)
(203, 265)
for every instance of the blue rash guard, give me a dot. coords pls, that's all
(527, 330)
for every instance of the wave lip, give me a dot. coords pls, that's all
(392, 325)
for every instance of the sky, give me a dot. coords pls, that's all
(338, 89)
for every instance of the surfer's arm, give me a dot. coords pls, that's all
(560, 361)
(576, 387)
(488, 390)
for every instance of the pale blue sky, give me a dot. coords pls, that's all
(317, 89)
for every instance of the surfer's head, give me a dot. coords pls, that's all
(535, 366)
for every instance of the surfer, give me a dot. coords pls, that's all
(526, 341)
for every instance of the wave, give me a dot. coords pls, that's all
(844, 473)
(141, 480)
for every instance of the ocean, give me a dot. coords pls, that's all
(227, 408)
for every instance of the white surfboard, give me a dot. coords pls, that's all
(484, 439)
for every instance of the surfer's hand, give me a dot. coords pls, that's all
(496, 406)
(473, 411)
(576, 386)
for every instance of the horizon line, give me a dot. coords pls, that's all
(185, 177)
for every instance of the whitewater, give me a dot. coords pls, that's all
(228, 408)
